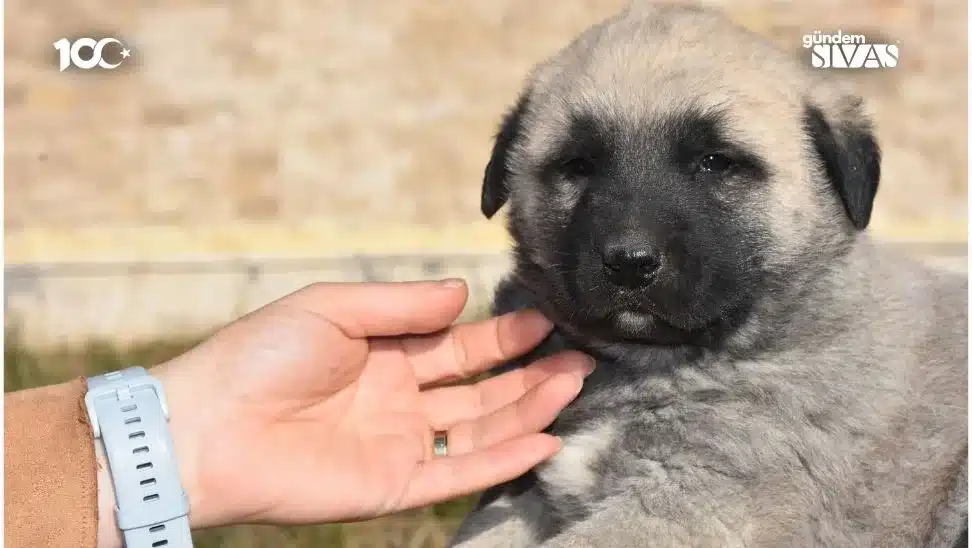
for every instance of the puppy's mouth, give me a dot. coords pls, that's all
(590, 311)
(637, 317)
(629, 310)
(627, 324)
(632, 323)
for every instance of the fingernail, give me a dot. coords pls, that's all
(532, 321)
(453, 283)
(590, 366)
(578, 388)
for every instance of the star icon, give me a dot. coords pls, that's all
(126, 53)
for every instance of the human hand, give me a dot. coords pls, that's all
(315, 409)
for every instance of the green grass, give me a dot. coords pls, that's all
(425, 528)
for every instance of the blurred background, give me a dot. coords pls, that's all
(250, 148)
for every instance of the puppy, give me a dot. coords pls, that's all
(689, 205)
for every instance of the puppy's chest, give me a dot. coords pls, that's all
(608, 434)
(642, 432)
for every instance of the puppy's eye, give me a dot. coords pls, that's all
(578, 167)
(716, 163)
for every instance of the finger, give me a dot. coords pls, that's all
(384, 309)
(472, 348)
(445, 407)
(441, 479)
(535, 411)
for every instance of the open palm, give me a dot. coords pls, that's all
(323, 405)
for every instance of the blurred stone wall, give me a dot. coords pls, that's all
(176, 193)
(372, 118)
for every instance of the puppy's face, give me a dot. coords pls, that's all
(658, 187)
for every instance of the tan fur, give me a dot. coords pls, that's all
(843, 396)
(653, 55)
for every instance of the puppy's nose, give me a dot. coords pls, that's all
(630, 265)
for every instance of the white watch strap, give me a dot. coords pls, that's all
(129, 413)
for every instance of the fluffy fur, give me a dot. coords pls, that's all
(774, 378)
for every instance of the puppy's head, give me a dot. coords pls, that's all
(667, 168)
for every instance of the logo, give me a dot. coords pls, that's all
(88, 53)
(851, 51)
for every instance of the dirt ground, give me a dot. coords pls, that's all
(368, 113)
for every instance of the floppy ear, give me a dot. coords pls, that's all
(851, 157)
(496, 177)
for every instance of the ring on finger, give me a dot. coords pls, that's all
(440, 444)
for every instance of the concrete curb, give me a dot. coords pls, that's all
(64, 303)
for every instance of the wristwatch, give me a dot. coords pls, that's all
(130, 416)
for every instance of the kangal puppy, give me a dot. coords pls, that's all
(689, 206)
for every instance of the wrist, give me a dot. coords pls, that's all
(187, 426)
(184, 428)
(109, 535)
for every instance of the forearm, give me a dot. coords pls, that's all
(59, 488)
(49, 468)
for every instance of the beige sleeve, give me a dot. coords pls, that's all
(50, 471)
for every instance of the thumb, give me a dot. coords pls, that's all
(384, 309)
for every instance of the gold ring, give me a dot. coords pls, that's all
(440, 444)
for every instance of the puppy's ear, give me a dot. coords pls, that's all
(851, 157)
(496, 178)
